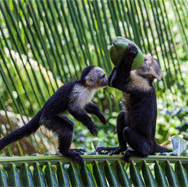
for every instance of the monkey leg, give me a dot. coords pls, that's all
(70, 153)
(138, 142)
(63, 127)
(129, 153)
(122, 122)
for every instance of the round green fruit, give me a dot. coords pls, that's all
(118, 51)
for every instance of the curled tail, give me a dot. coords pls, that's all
(21, 132)
(161, 149)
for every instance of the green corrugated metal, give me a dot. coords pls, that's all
(99, 170)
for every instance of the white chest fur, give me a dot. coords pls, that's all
(81, 96)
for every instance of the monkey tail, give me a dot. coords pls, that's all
(161, 149)
(21, 132)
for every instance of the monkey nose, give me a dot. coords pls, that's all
(107, 82)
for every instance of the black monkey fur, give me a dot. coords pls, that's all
(74, 97)
(136, 125)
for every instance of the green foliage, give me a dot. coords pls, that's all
(44, 44)
(97, 171)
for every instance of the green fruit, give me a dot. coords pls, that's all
(118, 51)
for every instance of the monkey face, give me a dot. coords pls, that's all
(150, 68)
(96, 78)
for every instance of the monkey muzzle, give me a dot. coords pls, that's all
(104, 82)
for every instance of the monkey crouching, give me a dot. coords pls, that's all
(74, 97)
(136, 125)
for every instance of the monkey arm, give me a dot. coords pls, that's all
(82, 116)
(91, 108)
(111, 74)
(119, 76)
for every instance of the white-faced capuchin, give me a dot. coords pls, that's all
(136, 125)
(74, 97)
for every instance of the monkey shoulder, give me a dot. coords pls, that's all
(58, 102)
(80, 96)
(142, 100)
(62, 93)
(67, 87)
(139, 83)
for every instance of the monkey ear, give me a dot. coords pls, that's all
(153, 67)
(89, 81)
(156, 69)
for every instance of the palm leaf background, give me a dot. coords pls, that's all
(44, 44)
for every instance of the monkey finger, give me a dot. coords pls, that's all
(79, 150)
(82, 150)
(132, 49)
(115, 152)
(104, 121)
(80, 160)
(127, 159)
(94, 132)
(99, 149)
(112, 153)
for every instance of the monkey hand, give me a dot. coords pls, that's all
(93, 129)
(102, 118)
(132, 51)
(126, 63)
(119, 76)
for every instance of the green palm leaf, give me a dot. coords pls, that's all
(44, 44)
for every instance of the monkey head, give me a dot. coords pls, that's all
(150, 68)
(94, 77)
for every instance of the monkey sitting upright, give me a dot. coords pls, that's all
(136, 125)
(74, 97)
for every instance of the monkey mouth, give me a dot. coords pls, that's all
(104, 84)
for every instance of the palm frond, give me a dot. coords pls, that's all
(44, 44)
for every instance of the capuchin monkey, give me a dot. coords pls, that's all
(136, 125)
(74, 97)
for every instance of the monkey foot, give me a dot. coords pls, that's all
(75, 156)
(127, 159)
(111, 150)
(80, 160)
(79, 150)
(126, 156)
(99, 149)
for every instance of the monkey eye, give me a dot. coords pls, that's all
(90, 79)
(103, 76)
